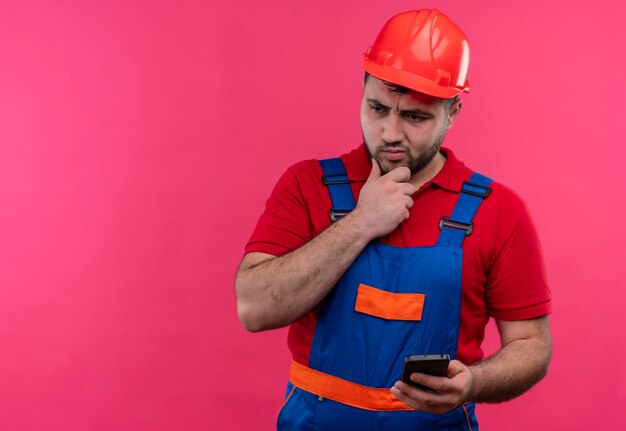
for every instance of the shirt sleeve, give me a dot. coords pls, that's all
(285, 224)
(517, 287)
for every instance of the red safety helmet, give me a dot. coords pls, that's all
(422, 50)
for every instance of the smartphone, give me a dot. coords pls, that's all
(434, 365)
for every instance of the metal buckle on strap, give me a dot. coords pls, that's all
(338, 214)
(335, 179)
(446, 222)
(487, 190)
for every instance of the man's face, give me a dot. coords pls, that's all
(403, 129)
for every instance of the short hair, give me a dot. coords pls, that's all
(447, 103)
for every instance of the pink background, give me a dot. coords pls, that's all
(140, 139)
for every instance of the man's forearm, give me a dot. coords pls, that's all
(513, 370)
(522, 362)
(275, 291)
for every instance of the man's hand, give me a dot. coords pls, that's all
(450, 392)
(384, 201)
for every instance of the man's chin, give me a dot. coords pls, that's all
(387, 166)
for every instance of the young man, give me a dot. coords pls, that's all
(398, 249)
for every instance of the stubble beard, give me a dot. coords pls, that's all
(414, 163)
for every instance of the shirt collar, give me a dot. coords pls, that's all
(450, 177)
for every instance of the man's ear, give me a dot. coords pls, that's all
(453, 112)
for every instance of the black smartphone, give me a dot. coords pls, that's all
(434, 365)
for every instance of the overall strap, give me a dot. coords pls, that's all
(336, 179)
(455, 228)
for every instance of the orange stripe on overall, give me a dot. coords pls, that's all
(343, 391)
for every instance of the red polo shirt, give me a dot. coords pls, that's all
(503, 271)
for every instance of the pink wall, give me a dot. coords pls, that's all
(140, 139)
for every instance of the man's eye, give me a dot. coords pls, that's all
(377, 109)
(414, 117)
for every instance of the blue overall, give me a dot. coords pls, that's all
(366, 349)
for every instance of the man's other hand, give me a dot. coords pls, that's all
(449, 392)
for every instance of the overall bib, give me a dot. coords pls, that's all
(391, 303)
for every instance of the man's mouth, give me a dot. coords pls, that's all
(393, 154)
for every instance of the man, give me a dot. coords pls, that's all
(398, 249)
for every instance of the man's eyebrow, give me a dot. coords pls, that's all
(416, 111)
(376, 102)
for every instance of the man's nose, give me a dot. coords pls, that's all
(392, 129)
